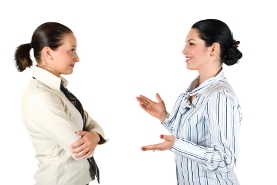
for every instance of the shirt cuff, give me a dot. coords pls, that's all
(166, 119)
(189, 149)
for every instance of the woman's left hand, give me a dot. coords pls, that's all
(167, 144)
(85, 145)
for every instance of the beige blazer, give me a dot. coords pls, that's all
(51, 121)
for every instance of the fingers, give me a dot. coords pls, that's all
(80, 151)
(86, 156)
(144, 99)
(143, 107)
(159, 98)
(78, 143)
(141, 102)
(81, 133)
(167, 144)
(83, 151)
(152, 147)
(145, 104)
(85, 145)
(139, 99)
(169, 138)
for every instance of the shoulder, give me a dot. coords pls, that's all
(222, 98)
(39, 95)
(221, 90)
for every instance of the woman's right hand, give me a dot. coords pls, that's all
(155, 109)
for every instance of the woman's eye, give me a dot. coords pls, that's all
(191, 44)
(72, 50)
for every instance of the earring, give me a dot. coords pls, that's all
(212, 55)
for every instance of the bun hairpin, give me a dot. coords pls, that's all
(235, 44)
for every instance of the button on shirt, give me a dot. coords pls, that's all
(51, 121)
(207, 133)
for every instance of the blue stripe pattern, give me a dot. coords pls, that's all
(207, 133)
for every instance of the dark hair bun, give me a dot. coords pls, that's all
(233, 54)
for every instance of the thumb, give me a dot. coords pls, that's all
(169, 138)
(159, 98)
(81, 133)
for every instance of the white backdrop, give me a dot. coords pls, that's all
(128, 48)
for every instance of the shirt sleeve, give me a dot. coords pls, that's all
(92, 125)
(223, 117)
(46, 114)
(170, 118)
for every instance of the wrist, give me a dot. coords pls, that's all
(98, 136)
(163, 117)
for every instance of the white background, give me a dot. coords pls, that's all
(128, 48)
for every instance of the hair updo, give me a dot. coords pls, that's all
(48, 34)
(211, 31)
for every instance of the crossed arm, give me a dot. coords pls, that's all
(52, 121)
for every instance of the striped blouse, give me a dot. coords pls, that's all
(207, 133)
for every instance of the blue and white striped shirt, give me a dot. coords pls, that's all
(207, 133)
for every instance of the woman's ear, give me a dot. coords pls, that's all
(47, 53)
(214, 49)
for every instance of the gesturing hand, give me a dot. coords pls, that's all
(85, 145)
(167, 144)
(156, 109)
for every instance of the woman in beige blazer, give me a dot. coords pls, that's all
(63, 137)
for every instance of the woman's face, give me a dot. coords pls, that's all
(65, 57)
(197, 54)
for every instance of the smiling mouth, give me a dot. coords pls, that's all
(188, 59)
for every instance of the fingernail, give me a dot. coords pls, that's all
(161, 136)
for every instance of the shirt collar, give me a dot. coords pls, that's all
(207, 83)
(49, 79)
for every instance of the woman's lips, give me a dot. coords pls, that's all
(188, 59)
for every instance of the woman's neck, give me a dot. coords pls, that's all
(48, 69)
(208, 73)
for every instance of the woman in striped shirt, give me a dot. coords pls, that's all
(205, 120)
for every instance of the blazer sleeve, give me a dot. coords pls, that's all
(46, 115)
(92, 125)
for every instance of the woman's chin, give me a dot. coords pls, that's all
(68, 72)
(189, 67)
